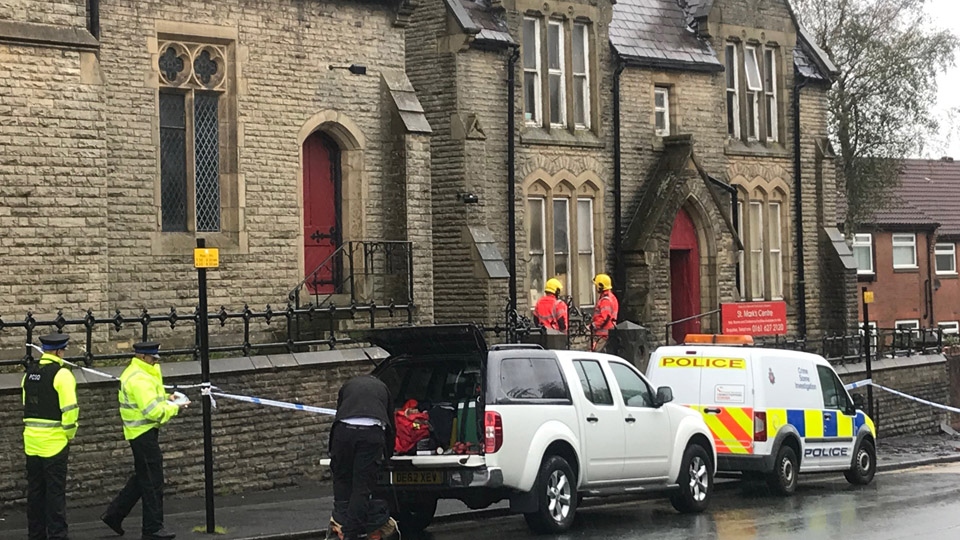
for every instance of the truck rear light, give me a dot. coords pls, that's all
(759, 426)
(492, 432)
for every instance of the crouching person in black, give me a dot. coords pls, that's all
(360, 439)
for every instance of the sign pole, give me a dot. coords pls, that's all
(867, 300)
(204, 258)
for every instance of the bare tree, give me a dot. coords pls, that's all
(880, 107)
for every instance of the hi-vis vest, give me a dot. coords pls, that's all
(50, 410)
(143, 400)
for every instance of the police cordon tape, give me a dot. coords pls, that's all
(869, 382)
(263, 401)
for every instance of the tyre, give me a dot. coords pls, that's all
(415, 515)
(783, 479)
(864, 465)
(695, 480)
(556, 491)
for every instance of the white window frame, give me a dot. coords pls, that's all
(776, 278)
(561, 72)
(542, 201)
(665, 91)
(753, 90)
(913, 327)
(743, 238)
(586, 250)
(585, 76)
(758, 252)
(874, 337)
(945, 248)
(535, 69)
(902, 244)
(773, 127)
(864, 240)
(949, 328)
(733, 64)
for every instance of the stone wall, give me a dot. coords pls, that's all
(923, 376)
(255, 448)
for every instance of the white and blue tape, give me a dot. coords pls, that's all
(269, 402)
(869, 382)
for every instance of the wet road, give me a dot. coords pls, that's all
(914, 504)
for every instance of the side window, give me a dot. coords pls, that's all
(635, 391)
(532, 378)
(595, 387)
(828, 385)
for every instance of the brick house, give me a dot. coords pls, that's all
(907, 251)
(653, 139)
(278, 130)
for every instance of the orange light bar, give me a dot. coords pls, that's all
(717, 339)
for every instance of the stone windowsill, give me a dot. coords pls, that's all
(736, 147)
(560, 137)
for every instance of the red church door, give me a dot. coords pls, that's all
(684, 276)
(321, 213)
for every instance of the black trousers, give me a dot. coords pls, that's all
(355, 456)
(47, 496)
(145, 484)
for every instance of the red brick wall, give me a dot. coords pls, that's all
(898, 293)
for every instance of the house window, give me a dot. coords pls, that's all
(904, 251)
(531, 70)
(908, 327)
(872, 327)
(770, 93)
(756, 250)
(581, 77)
(741, 276)
(561, 233)
(661, 108)
(863, 253)
(733, 91)
(946, 258)
(949, 328)
(555, 74)
(776, 255)
(754, 89)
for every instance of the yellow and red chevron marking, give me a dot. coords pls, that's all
(732, 429)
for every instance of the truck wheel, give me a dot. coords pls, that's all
(556, 491)
(783, 479)
(864, 465)
(695, 480)
(415, 515)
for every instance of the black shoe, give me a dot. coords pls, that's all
(162, 534)
(113, 523)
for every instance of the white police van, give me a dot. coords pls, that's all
(771, 411)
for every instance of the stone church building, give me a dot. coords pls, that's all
(655, 140)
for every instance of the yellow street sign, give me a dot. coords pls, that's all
(206, 258)
(867, 297)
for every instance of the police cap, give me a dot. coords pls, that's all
(54, 342)
(149, 348)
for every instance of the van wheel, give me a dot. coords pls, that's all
(695, 480)
(864, 465)
(783, 479)
(415, 515)
(556, 492)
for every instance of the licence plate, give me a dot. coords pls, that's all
(406, 478)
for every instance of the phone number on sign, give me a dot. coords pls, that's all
(764, 328)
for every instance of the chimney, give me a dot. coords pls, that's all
(946, 159)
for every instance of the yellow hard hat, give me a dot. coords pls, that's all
(553, 286)
(603, 280)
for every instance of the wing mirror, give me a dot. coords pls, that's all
(664, 395)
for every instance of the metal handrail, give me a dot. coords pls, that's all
(683, 320)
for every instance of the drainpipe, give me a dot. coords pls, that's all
(799, 84)
(93, 18)
(619, 267)
(511, 176)
(930, 276)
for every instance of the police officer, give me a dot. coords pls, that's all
(50, 414)
(144, 407)
(550, 311)
(604, 312)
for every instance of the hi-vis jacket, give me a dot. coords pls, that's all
(143, 400)
(50, 410)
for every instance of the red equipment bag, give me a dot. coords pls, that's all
(412, 426)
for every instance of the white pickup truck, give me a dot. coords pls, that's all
(540, 428)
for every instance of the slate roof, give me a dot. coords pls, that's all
(656, 33)
(478, 17)
(933, 186)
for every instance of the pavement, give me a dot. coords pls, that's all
(303, 512)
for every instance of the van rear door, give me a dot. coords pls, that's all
(726, 398)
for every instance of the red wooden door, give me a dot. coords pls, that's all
(684, 276)
(321, 213)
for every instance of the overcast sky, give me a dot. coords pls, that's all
(942, 13)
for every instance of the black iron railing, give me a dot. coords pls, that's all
(850, 349)
(362, 269)
(302, 328)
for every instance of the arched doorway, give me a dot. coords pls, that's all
(684, 276)
(322, 227)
